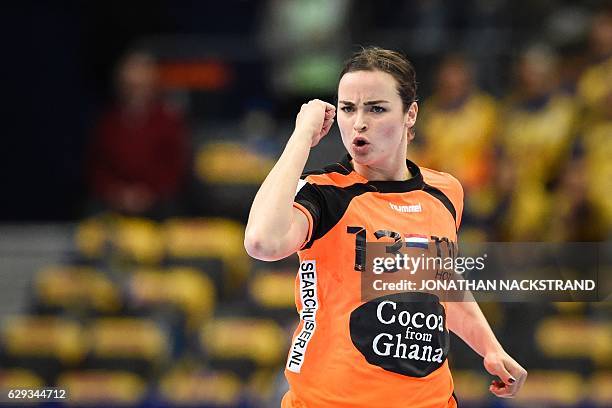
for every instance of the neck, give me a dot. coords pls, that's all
(393, 170)
(373, 173)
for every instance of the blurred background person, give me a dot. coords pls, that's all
(596, 143)
(459, 116)
(536, 135)
(596, 80)
(138, 157)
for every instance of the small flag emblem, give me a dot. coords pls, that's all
(416, 241)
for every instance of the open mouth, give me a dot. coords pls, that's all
(360, 141)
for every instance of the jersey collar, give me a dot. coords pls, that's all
(393, 186)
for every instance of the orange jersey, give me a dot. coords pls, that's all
(383, 353)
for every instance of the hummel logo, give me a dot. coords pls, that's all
(406, 208)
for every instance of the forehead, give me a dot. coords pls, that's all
(367, 85)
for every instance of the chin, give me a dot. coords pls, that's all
(364, 159)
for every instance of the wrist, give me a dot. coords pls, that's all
(301, 137)
(493, 349)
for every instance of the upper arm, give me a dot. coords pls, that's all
(299, 232)
(274, 248)
(304, 218)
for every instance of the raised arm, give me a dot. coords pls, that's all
(466, 320)
(275, 228)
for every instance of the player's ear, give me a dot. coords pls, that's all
(410, 134)
(411, 115)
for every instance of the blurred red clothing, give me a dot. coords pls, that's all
(140, 151)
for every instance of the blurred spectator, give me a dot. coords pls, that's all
(596, 81)
(457, 125)
(574, 218)
(138, 155)
(597, 141)
(535, 139)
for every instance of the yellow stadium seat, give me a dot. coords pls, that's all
(570, 308)
(131, 238)
(102, 388)
(570, 337)
(122, 342)
(139, 239)
(76, 288)
(91, 237)
(197, 387)
(600, 389)
(261, 341)
(200, 238)
(273, 290)
(44, 337)
(187, 288)
(231, 163)
(550, 388)
(18, 378)
(262, 385)
(470, 386)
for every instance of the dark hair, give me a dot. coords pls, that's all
(391, 62)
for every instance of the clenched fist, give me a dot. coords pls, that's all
(511, 374)
(315, 119)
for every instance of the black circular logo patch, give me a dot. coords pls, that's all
(404, 333)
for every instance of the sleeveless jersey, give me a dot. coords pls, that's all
(341, 354)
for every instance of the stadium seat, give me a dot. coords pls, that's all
(139, 239)
(273, 292)
(45, 345)
(231, 163)
(227, 176)
(74, 288)
(188, 289)
(198, 239)
(569, 337)
(130, 344)
(471, 387)
(262, 385)
(102, 388)
(200, 387)
(570, 308)
(128, 238)
(91, 236)
(242, 344)
(19, 378)
(550, 389)
(600, 389)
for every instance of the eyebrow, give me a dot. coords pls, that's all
(365, 103)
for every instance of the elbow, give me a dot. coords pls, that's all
(264, 249)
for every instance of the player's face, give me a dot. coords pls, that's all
(371, 118)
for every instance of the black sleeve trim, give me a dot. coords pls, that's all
(311, 198)
(327, 205)
(443, 199)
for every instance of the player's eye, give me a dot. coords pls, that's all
(347, 109)
(378, 109)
